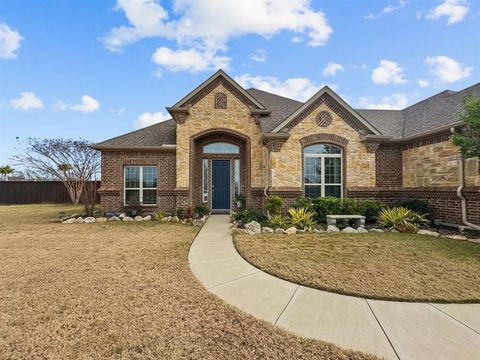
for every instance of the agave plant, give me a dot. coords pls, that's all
(401, 219)
(278, 221)
(302, 218)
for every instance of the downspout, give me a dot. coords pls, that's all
(463, 200)
(267, 177)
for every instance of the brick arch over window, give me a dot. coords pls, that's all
(327, 139)
(212, 135)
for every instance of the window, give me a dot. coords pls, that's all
(323, 171)
(221, 148)
(141, 185)
(205, 180)
(236, 176)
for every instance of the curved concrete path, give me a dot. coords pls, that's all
(393, 330)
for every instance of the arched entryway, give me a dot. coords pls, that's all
(220, 164)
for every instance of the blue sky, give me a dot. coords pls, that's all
(98, 69)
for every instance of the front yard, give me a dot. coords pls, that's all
(375, 265)
(122, 290)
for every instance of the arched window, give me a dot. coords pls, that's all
(322, 171)
(221, 148)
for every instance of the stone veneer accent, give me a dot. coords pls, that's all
(286, 165)
(203, 116)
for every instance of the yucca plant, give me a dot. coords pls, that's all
(301, 218)
(278, 221)
(401, 219)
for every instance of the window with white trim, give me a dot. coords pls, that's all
(140, 185)
(323, 171)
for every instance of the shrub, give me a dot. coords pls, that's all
(351, 207)
(274, 204)
(278, 221)
(188, 214)
(401, 219)
(180, 213)
(419, 206)
(371, 209)
(246, 216)
(303, 202)
(159, 215)
(202, 210)
(326, 206)
(302, 218)
(133, 208)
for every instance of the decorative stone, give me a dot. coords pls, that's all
(122, 215)
(333, 228)
(324, 118)
(198, 223)
(165, 219)
(238, 231)
(279, 231)
(301, 231)
(318, 231)
(477, 241)
(127, 218)
(291, 230)
(79, 220)
(138, 218)
(267, 230)
(362, 230)
(69, 221)
(376, 230)
(101, 219)
(253, 228)
(174, 219)
(89, 220)
(456, 237)
(147, 218)
(427, 232)
(113, 218)
(349, 229)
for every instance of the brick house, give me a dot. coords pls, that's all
(224, 141)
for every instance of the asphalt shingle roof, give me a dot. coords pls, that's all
(438, 111)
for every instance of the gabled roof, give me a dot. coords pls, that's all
(326, 91)
(219, 74)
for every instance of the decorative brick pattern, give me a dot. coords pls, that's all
(220, 100)
(324, 119)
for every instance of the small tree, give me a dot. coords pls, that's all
(469, 140)
(5, 171)
(71, 161)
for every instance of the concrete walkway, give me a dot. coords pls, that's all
(393, 330)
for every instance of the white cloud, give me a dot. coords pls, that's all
(423, 83)
(87, 105)
(27, 101)
(9, 42)
(300, 89)
(189, 60)
(388, 72)
(147, 119)
(259, 55)
(118, 112)
(397, 101)
(332, 68)
(388, 9)
(454, 10)
(447, 69)
(206, 26)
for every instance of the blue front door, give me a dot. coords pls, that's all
(221, 184)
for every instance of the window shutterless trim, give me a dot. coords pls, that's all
(322, 157)
(140, 189)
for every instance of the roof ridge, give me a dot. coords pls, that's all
(270, 93)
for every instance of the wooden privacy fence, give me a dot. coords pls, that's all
(36, 192)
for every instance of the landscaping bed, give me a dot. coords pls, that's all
(121, 291)
(391, 266)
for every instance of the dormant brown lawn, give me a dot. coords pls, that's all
(384, 266)
(121, 291)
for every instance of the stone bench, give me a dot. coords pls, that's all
(359, 220)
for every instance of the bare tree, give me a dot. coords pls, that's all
(71, 161)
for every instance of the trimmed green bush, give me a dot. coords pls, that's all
(303, 202)
(326, 206)
(371, 209)
(274, 204)
(246, 216)
(202, 210)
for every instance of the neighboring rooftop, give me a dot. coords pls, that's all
(438, 111)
